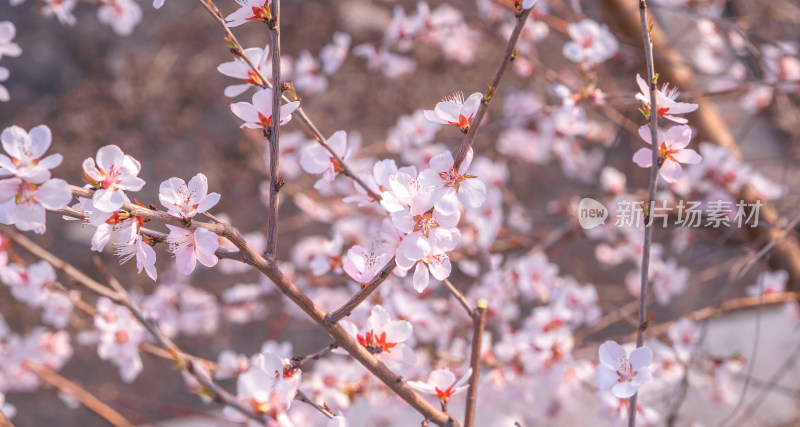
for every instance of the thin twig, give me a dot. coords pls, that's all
(300, 114)
(362, 295)
(87, 399)
(648, 229)
(479, 323)
(299, 361)
(459, 296)
(276, 181)
(301, 397)
(508, 56)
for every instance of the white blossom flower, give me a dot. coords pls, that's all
(666, 105)
(443, 384)
(268, 387)
(23, 204)
(258, 114)
(186, 201)
(249, 10)
(619, 374)
(26, 151)
(7, 45)
(384, 338)
(591, 43)
(191, 246)
(121, 15)
(456, 111)
(114, 173)
(672, 151)
(363, 264)
(316, 159)
(239, 69)
(451, 185)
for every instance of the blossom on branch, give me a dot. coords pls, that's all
(268, 387)
(383, 337)
(26, 151)
(591, 43)
(250, 10)
(240, 69)
(443, 384)
(666, 104)
(114, 173)
(454, 110)
(619, 374)
(672, 151)
(316, 159)
(186, 201)
(258, 114)
(451, 185)
(190, 246)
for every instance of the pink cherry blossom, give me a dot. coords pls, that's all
(443, 384)
(619, 374)
(34, 284)
(307, 76)
(268, 387)
(114, 173)
(186, 201)
(62, 9)
(591, 43)
(26, 151)
(384, 338)
(333, 54)
(363, 264)
(120, 336)
(23, 204)
(121, 15)
(258, 114)
(239, 69)
(666, 104)
(142, 251)
(672, 151)
(191, 246)
(456, 111)
(249, 10)
(7, 34)
(452, 184)
(317, 159)
(769, 282)
(391, 64)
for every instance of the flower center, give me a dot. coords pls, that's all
(375, 344)
(425, 223)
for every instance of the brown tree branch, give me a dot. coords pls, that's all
(276, 181)
(238, 50)
(479, 323)
(508, 56)
(87, 399)
(362, 295)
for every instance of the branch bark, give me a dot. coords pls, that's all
(479, 323)
(276, 182)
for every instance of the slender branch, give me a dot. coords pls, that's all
(300, 114)
(299, 361)
(301, 397)
(648, 229)
(276, 181)
(155, 236)
(87, 399)
(478, 323)
(508, 56)
(459, 296)
(362, 295)
(4, 421)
